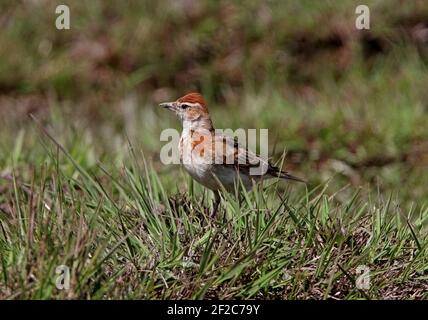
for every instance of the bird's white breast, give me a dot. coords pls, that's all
(198, 167)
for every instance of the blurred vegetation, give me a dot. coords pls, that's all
(340, 100)
(349, 107)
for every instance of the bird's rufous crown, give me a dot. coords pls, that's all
(193, 97)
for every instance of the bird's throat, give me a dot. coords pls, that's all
(199, 124)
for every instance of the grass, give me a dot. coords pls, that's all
(83, 185)
(124, 237)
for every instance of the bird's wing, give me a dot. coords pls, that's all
(230, 152)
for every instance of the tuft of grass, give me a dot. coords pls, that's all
(123, 236)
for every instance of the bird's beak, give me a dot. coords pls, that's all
(169, 105)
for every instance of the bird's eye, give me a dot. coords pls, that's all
(185, 106)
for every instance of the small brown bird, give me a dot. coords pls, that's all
(216, 160)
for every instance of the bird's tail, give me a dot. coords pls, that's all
(286, 175)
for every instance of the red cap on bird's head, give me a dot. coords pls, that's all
(193, 97)
(191, 108)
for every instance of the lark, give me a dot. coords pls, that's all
(218, 162)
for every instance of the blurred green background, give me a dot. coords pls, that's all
(346, 105)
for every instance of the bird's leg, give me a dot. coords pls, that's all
(217, 201)
(240, 199)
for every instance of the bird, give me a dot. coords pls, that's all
(215, 160)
